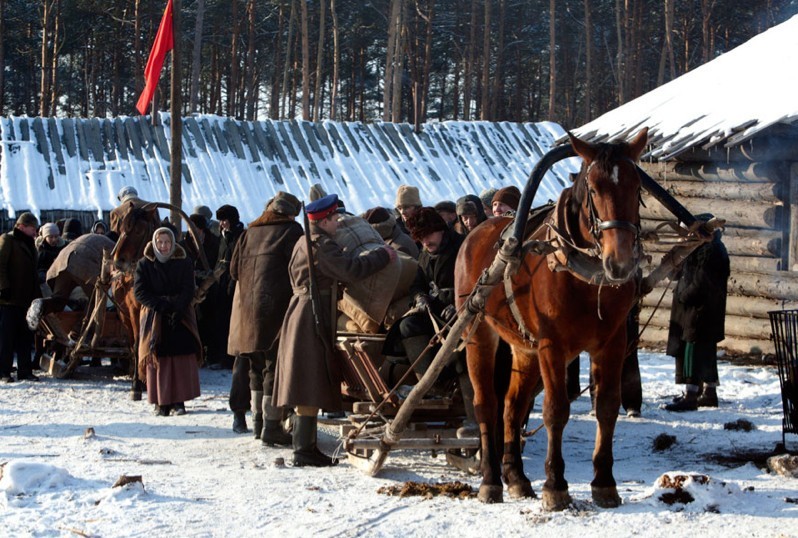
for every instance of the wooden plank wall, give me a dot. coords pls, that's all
(754, 198)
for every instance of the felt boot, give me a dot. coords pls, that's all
(273, 433)
(257, 412)
(306, 453)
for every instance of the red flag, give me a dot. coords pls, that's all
(164, 42)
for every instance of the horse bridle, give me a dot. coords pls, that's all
(597, 225)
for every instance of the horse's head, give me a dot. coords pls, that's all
(607, 196)
(136, 229)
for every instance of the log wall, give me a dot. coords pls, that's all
(761, 230)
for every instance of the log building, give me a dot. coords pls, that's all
(724, 140)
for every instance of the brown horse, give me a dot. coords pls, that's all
(575, 299)
(136, 227)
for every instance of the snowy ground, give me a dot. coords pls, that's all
(200, 479)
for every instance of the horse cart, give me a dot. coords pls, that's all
(550, 288)
(108, 327)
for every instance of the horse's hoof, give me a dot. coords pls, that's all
(490, 494)
(556, 501)
(522, 490)
(606, 497)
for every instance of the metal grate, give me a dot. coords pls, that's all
(784, 324)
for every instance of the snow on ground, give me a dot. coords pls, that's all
(200, 479)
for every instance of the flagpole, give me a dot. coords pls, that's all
(176, 176)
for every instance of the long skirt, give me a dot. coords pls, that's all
(175, 380)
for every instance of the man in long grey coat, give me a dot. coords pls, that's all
(308, 375)
(263, 289)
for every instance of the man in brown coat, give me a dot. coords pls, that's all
(19, 285)
(260, 267)
(308, 374)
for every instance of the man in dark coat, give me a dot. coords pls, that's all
(19, 285)
(697, 323)
(263, 289)
(432, 290)
(207, 310)
(231, 228)
(308, 373)
(470, 214)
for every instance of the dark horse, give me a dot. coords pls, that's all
(574, 299)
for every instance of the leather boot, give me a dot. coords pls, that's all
(240, 422)
(257, 412)
(306, 453)
(414, 346)
(708, 398)
(273, 433)
(687, 402)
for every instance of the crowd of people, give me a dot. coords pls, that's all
(272, 314)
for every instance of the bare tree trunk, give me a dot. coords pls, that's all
(588, 63)
(498, 75)
(620, 59)
(398, 64)
(485, 83)
(232, 83)
(54, 59)
(251, 77)
(288, 61)
(392, 59)
(425, 81)
(706, 40)
(317, 102)
(469, 66)
(44, 87)
(336, 63)
(667, 55)
(552, 62)
(2, 57)
(196, 58)
(274, 97)
(305, 61)
(139, 75)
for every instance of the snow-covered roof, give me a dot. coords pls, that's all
(80, 164)
(722, 103)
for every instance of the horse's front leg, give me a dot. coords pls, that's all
(606, 367)
(524, 376)
(481, 359)
(556, 410)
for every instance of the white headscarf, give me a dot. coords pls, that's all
(161, 257)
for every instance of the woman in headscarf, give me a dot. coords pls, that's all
(169, 345)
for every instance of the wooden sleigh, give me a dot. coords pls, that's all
(433, 423)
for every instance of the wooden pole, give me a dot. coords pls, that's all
(175, 186)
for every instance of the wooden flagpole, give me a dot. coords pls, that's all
(176, 175)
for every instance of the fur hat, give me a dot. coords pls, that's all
(467, 206)
(126, 192)
(424, 222)
(284, 203)
(49, 229)
(487, 197)
(446, 205)
(199, 221)
(407, 195)
(508, 195)
(375, 215)
(228, 212)
(27, 219)
(203, 210)
(316, 192)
